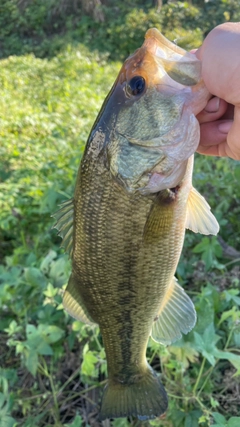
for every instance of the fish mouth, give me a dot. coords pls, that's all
(181, 66)
(162, 47)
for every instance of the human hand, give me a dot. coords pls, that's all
(220, 120)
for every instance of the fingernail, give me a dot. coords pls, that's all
(213, 105)
(225, 127)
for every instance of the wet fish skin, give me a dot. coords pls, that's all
(132, 202)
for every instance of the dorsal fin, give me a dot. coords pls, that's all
(199, 216)
(176, 315)
(64, 224)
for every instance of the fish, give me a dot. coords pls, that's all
(124, 227)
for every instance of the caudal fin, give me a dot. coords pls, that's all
(143, 397)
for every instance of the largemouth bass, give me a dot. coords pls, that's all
(125, 226)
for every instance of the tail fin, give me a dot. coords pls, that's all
(143, 397)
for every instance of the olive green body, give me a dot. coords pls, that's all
(126, 250)
(125, 226)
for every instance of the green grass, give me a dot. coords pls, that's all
(53, 368)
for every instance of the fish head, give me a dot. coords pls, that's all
(148, 118)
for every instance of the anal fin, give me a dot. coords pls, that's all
(176, 315)
(73, 303)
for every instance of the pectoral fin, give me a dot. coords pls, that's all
(199, 216)
(73, 303)
(176, 315)
(64, 224)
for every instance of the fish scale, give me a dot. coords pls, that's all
(119, 226)
(133, 201)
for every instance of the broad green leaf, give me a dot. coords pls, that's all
(122, 422)
(88, 364)
(32, 362)
(207, 304)
(50, 291)
(214, 402)
(76, 423)
(192, 418)
(31, 331)
(59, 271)
(226, 314)
(46, 262)
(77, 325)
(233, 422)
(50, 333)
(233, 358)
(206, 344)
(44, 349)
(8, 421)
(34, 277)
(203, 419)
(13, 328)
(232, 294)
(220, 419)
(210, 249)
(202, 246)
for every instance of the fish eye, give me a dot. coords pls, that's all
(135, 86)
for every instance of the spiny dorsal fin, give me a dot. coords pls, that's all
(199, 216)
(64, 224)
(176, 315)
(73, 303)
